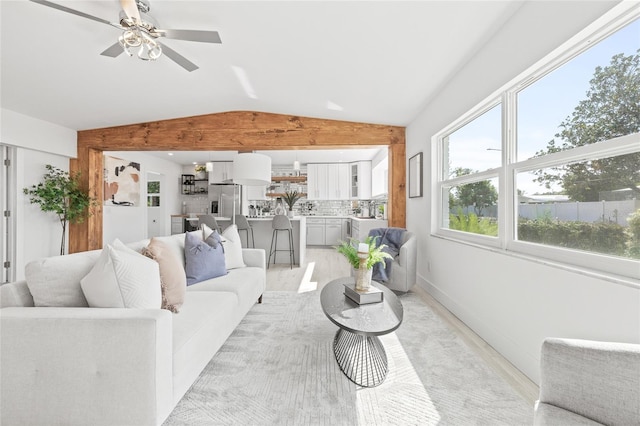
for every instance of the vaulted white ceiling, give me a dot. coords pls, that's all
(376, 62)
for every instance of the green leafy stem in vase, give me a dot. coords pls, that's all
(349, 249)
(290, 197)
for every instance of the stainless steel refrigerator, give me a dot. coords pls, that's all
(223, 198)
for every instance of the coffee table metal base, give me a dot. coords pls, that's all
(361, 358)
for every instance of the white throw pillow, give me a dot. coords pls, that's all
(206, 231)
(232, 248)
(55, 281)
(123, 278)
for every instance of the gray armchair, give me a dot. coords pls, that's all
(584, 382)
(403, 267)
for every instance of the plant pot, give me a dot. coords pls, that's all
(290, 213)
(201, 175)
(363, 279)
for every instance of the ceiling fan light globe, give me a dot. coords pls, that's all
(130, 38)
(155, 52)
(125, 47)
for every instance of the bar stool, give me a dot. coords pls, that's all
(243, 225)
(210, 221)
(281, 223)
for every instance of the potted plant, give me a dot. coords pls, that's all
(201, 171)
(291, 197)
(362, 257)
(60, 193)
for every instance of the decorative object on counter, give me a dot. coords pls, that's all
(201, 172)
(279, 210)
(362, 257)
(60, 192)
(291, 197)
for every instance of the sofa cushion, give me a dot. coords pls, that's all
(172, 273)
(123, 278)
(203, 259)
(204, 323)
(247, 283)
(55, 281)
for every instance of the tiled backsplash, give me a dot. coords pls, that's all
(201, 204)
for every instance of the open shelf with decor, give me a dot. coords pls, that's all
(296, 179)
(193, 186)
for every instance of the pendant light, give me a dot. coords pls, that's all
(252, 169)
(296, 165)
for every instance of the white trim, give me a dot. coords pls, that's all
(548, 261)
(618, 17)
(622, 145)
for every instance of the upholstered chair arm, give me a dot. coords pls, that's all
(596, 380)
(407, 254)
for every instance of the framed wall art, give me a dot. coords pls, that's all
(121, 182)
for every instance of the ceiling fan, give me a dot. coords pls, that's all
(139, 31)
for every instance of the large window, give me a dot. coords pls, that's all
(552, 168)
(471, 158)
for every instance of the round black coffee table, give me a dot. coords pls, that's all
(358, 350)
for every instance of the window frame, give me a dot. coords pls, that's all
(507, 173)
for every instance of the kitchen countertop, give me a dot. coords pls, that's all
(259, 219)
(294, 218)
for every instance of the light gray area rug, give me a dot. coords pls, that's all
(278, 368)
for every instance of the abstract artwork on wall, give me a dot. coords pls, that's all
(121, 182)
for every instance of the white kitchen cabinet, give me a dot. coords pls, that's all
(355, 229)
(255, 192)
(328, 181)
(332, 232)
(380, 178)
(346, 229)
(315, 232)
(338, 181)
(222, 172)
(360, 227)
(360, 180)
(177, 225)
(316, 181)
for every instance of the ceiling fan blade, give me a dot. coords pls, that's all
(131, 10)
(192, 35)
(178, 58)
(74, 12)
(113, 50)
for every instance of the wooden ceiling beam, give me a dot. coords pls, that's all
(243, 131)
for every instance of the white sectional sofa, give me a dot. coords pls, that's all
(112, 366)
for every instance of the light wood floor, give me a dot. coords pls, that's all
(323, 265)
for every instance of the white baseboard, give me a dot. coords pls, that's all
(523, 360)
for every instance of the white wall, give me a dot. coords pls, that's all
(512, 302)
(27, 132)
(37, 143)
(129, 224)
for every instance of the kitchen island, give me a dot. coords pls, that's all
(263, 230)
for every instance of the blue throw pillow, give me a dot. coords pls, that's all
(203, 259)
